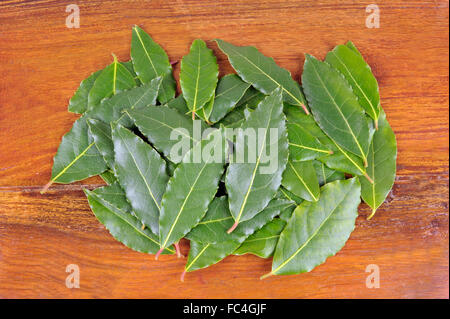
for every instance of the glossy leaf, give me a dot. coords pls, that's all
(79, 101)
(325, 174)
(251, 98)
(251, 184)
(317, 230)
(300, 178)
(335, 107)
(198, 75)
(230, 90)
(283, 193)
(179, 104)
(287, 213)
(263, 242)
(192, 188)
(151, 61)
(77, 157)
(262, 72)
(141, 173)
(114, 195)
(114, 78)
(158, 123)
(123, 226)
(112, 109)
(101, 133)
(213, 227)
(360, 77)
(382, 166)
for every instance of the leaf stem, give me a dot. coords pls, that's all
(266, 276)
(182, 276)
(159, 253)
(368, 178)
(304, 108)
(373, 213)
(177, 249)
(233, 227)
(45, 188)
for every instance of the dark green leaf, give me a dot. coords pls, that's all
(250, 183)
(283, 193)
(317, 230)
(79, 101)
(302, 145)
(263, 242)
(300, 178)
(262, 72)
(159, 123)
(192, 188)
(360, 77)
(77, 157)
(123, 226)
(382, 166)
(142, 174)
(114, 78)
(198, 75)
(101, 133)
(108, 177)
(335, 107)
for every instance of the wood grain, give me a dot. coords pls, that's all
(42, 63)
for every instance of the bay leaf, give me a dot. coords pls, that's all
(123, 226)
(198, 76)
(283, 193)
(151, 61)
(213, 227)
(360, 77)
(263, 242)
(112, 109)
(325, 174)
(142, 174)
(300, 178)
(108, 177)
(251, 98)
(262, 72)
(230, 90)
(302, 145)
(335, 107)
(113, 79)
(79, 101)
(382, 166)
(191, 188)
(158, 123)
(77, 157)
(101, 133)
(249, 184)
(179, 104)
(317, 230)
(114, 195)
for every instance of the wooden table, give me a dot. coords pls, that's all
(42, 62)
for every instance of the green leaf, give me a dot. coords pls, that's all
(335, 107)
(213, 227)
(114, 195)
(283, 193)
(230, 90)
(192, 188)
(142, 174)
(114, 78)
(262, 72)
(112, 109)
(302, 145)
(158, 123)
(234, 119)
(251, 98)
(317, 230)
(79, 101)
(300, 178)
(198, 76)
(77, 157)
(101, 133)
(251, 184)
(129, 66)
(179, 104)
(382, 166)
(122, 225)
(325, 174)
(206, 254)
(202, 255)
(151, 61)
(360, 77)
(263, 242)
(287, 213)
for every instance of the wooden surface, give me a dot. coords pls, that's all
(42, 63)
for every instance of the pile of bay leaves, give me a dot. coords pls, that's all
(182, 167)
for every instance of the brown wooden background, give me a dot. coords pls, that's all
(42, 63)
